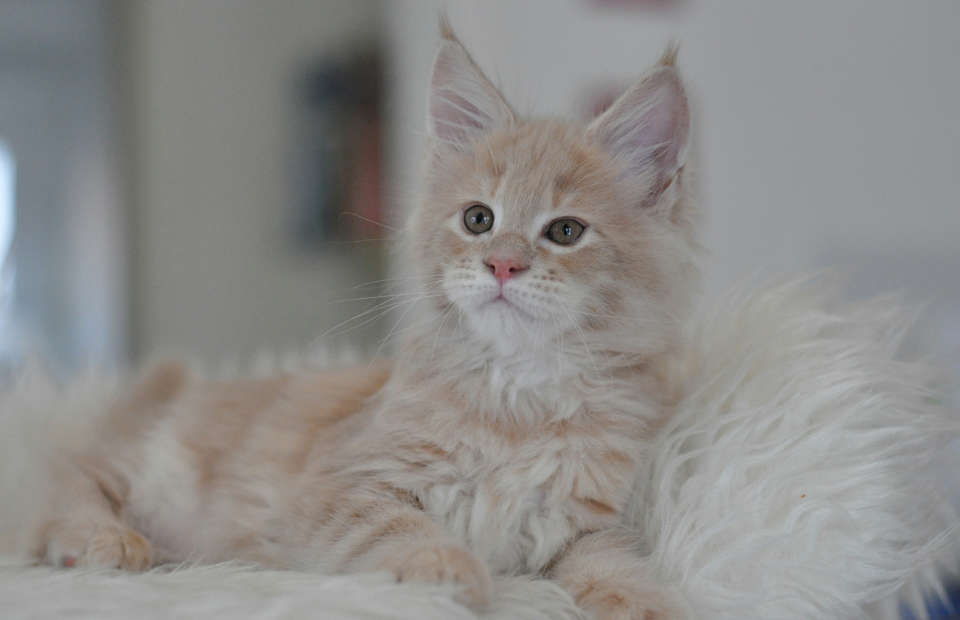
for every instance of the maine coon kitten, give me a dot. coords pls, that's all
(556, 262)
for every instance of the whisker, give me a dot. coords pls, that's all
(586, 348)
(434, 349)
(384, 296)
(620, 318)
(409, 327)
(384, 308)
(559, 358)
(396, 230)
(383, 312)
(372, 282)
(460, 326)
(354, 241)
(380, 305)
(368, 220)
(390, 333)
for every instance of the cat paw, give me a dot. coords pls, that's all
(626, 602)
(444, 563)
(101, 546)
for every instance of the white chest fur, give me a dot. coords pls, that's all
(511, 522)
(518, 511)
(515, 489)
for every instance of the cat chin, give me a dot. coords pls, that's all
(505, 329)
(516, 305)
(504, 322)
(506, 311)
(498, 320)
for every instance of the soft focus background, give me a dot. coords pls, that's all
(214, 177)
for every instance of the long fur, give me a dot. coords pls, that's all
(802, 477)
(229, 592)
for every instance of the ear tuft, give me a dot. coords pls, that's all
(670, 55)
(463, 104)
(647, 129)
(446, 30)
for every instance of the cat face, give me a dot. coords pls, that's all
(535, 231)
(525, 239)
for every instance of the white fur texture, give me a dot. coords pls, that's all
(226, 592)
(799, 479)
(804, 475)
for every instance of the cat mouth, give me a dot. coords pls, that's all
(501, 304)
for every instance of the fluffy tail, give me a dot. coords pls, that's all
(802, 476)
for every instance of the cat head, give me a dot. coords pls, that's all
(536, 231)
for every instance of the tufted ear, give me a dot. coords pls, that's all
(463, 104)
(647, 130)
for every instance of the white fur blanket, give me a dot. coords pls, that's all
(802, 477)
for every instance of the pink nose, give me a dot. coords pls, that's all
(505, 268)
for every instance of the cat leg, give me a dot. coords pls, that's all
(606, 576)
(383, 530)
(83, 527)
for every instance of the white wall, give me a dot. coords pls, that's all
(213, 94)
(825, 131)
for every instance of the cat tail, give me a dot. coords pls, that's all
(807, 472)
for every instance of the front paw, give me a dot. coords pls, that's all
(615, 600)
(445, 563)
(104, 545)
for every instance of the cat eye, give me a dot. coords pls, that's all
(478, 219)
(564, 231)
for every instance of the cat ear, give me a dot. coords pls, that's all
(646, 130)
(463, 104)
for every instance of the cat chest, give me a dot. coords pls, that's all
(517, 517)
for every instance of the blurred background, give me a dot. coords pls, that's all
(214, 178)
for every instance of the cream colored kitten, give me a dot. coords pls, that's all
(557, 262)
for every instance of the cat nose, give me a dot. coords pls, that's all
(505, 268)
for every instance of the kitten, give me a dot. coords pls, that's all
(557, 263)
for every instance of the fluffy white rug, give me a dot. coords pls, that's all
(230, 593)
(803, 477)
